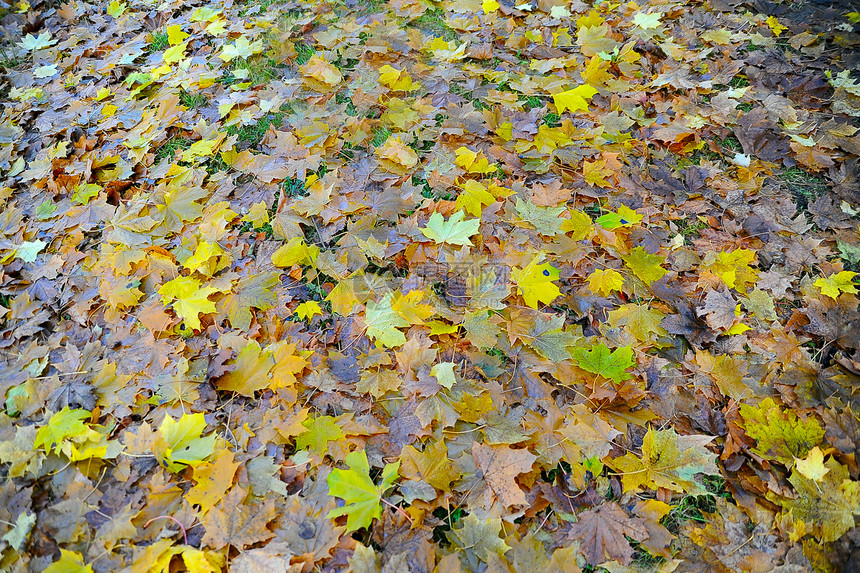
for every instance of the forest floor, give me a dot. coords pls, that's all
(412, 287)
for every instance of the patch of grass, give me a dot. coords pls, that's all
(449, 517)
(193, 100)
(694, 507)
(805, 187)
(739, 81)
(729, 143)
(690, 228)
(642, 559)
(169, 148)
(744, 107)
(531, 102)
(252, 135)
(380, 136)
(433, 22)
(158, 42)
(9, 60)
(551, 120)
(304, 53)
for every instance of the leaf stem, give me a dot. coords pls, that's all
(179, 523)
(399, 510)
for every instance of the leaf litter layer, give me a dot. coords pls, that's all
(411, 286)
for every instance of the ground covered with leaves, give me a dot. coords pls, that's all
(412, 287)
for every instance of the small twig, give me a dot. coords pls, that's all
(399, 510)
(179, 523)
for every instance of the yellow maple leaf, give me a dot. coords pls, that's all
(473, 161)
(836, 284)
(409, 306)
(474, 197)
(208, 258)
(605, 281)
(189, 299)
(179, 443)
(308, 309)
(396, 80)
(775, 26)
(397, 154)
(295, 252)
(69, 562)
(812, 466)
(534, 282)
(574, 99)
(317, 68)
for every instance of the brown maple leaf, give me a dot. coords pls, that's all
(237, 523)
(719, 309)
(602, 532)
(499, 466)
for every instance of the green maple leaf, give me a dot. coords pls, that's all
(645, 265)
(180, 442)
(668, 460)
(454, 231)
(599, 360)
(779, 435)
(363, 498)
(382, 322)
(320, 431)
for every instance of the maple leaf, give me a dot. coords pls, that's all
(645, 265)
(397, 154)
(250, 371)
(812, 467)
(719, 309)
(250, 291)
(241, 48)
(825, 507)
(668, 460)
(295, 252)
(396, 80)
(575, 99)
(361, 496)
(534, 282)
(69, 562)
(647, 21)
(179, 443)
(382, 322)
(474, 197)
(454, 231)
(308, 309)
(188, 298)
(320, 431)
(319, 69)
(66, 433)
(213, 480)
(733, 267)
(624, 217)
(611, 365)
(603, 282)
(780, 435)
(603, 532)
(837, 283)
(478, 539)
(32, 43)
(410, 308)
(500, 465)
(237, 523)
(431, 466)
(473, 161)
